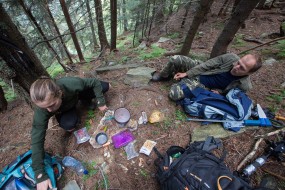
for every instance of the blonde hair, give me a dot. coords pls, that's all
(43, 89)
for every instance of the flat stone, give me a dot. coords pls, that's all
(163, 39)
(283, 85)
(139, 76)
(215, 130)
(142, 45)
(270, 61)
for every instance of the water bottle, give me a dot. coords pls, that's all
(253, 167)
(76, 165)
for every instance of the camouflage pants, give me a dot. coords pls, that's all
(179, 63)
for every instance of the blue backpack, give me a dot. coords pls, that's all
(235, 106)
(19, 175)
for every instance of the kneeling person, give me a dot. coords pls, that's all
(59, 98)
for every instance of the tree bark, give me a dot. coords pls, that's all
(221, 12)
(242, 11)
(33, 19)
(113, 5)
(71, 28)
(58, 33)
(100, 22)
(18, 56)
(95, 43)
(125, 16)
(202, 11)
(3, 101)
(187, 7)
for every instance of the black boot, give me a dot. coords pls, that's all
(156, 76)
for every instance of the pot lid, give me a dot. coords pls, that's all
(122, 115)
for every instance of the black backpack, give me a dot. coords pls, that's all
(196, 168)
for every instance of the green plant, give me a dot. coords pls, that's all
(173, 35)
(151, 53)
(277, 100)
(281, 47)
(54, 70)
(90, 167)
(143, 172)
(8, 91)
(180, 115)
(238, 41)
(90, 115)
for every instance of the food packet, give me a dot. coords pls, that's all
(156, 116)
(81, 135)
(147, 147)
(130, 150)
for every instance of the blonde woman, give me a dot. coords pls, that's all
(59, 98)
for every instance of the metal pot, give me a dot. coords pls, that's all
(101, 138)
(122, 116)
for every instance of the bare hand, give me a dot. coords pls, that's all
(44, 185)
(215, 91)
(178, 76)
(103, 108)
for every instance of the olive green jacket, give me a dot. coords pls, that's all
(71, 87)
(221, 64)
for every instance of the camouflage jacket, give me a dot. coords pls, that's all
(221, 64)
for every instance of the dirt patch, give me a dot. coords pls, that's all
(139, 172)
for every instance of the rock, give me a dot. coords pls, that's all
(163, 39)
(139, 76)
(270, 61)
(215, 130)
(263, 35)
(283, 85)
(142, 45)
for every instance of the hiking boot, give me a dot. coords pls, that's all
(156, 76)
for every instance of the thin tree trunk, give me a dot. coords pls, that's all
(158, 14)
(33, 19)
(187, 7)
(242, 12)
(125, 16)
(261, 4)
(221, 12)
(17, 54)
(113, 5)
(58, 33)
(95, 43)
(170, 8)
(71, 28)
(101, 27)
(202, 11)
(236, 2)
(3, 101)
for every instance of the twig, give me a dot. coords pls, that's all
(102, 173)
(51, 128)
(249, 39)
(250, 155)
(275, 175)
(271, 133)
(277, 39)
(57, 37)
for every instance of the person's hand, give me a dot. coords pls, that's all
(215, 91)
(44, 185)
(178, 76)
(103, 108)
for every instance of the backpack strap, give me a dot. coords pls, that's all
(211, 143)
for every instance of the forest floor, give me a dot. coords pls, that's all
(139, 173)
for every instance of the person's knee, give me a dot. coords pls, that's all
(176, 93)
(68, 125)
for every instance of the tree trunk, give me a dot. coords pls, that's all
(3, 101)
(221, 12)
(58, 33)
(242, 11)
(236, 2)
(90, 19)
(101, 28)
(15, 51)
(202, 11)
(261, 4)
(158, 14)
(33, 19)
(187, 7)
(113, 5)
(125, 16)
(71, 28)
(170, 8)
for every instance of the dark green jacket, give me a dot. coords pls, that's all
(221, 64)
(71, 87)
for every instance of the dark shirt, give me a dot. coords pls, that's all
(218, 81)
